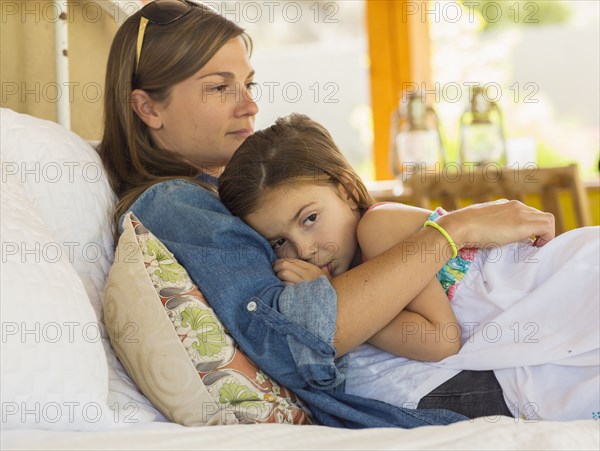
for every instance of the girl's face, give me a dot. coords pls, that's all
(315, 223)
(209, 115)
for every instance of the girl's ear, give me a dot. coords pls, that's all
(145, 107)
(346, 196)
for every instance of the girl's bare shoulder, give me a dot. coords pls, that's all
(388, 223)
(385, 212)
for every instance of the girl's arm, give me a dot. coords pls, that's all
(427, 328)
(371, 295)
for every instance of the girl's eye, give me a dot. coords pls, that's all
(278, 244)
(311, 219)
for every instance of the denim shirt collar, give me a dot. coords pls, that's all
(203, 176)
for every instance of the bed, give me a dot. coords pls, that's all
(62, 384)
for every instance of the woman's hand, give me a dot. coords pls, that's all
(497, 223)
(293, 270)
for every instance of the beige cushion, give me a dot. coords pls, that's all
(174, 347)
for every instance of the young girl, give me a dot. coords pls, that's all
(291, 184)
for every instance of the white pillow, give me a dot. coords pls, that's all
(65, 181)
(62, 177)
(54, 372)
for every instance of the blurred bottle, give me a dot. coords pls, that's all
(416, 140)
(482, 131)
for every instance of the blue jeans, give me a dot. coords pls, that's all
(470, 393)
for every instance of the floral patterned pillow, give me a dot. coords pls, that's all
(234, 389)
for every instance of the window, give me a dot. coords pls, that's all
(540, 60)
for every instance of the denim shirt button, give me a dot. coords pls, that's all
(251, 306)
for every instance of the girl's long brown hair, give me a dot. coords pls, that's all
(171, 54)
(294, 149)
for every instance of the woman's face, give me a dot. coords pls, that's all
(210, 114)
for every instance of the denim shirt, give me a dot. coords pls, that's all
(287, 330)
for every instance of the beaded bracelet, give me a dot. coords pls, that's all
(439, 228)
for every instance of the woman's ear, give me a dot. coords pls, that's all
(145, 107)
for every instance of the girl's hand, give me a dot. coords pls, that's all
(497, 223)
(293, 270)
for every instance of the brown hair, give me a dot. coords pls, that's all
(171, 54)
(294, 149)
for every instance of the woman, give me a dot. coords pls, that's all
(177, 106)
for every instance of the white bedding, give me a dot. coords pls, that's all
(530, 314)
(483, 433)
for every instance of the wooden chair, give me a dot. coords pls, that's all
(489, 182)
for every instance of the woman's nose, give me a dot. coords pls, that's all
(252, 108)
(247, 105)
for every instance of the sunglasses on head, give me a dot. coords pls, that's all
(159, 12)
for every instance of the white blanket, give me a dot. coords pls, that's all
(482, 433)
(530, 314)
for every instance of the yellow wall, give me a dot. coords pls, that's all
(593, 191)
(27, 68)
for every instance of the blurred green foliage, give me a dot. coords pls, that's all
(506, 13)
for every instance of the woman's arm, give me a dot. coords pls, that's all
(372, 294)
(427, 328)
